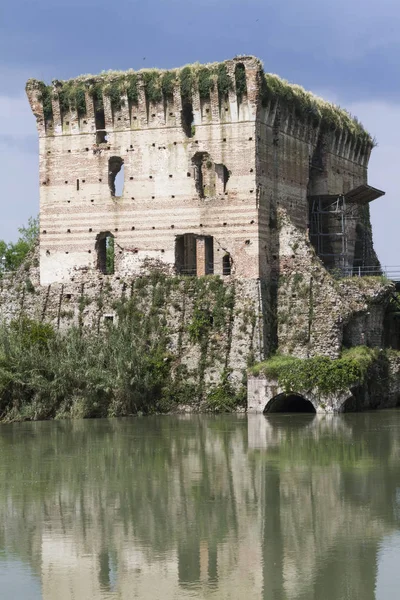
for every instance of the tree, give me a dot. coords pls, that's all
(15, 253)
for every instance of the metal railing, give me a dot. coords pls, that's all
(391, 272)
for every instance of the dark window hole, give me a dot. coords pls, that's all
(105, 252)
(226, 264)
(187, 119)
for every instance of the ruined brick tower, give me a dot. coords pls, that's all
(209, 156)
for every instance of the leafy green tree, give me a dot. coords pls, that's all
(15, 253)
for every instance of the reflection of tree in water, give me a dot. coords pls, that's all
(314, 500)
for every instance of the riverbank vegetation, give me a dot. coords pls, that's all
(321, 373)
(120, 369)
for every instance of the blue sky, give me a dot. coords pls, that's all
(346, 50)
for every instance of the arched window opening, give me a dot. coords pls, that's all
(105, 252)
(204, 175)
(226, 264)
(188, 119)
(222, 178)
(240, 81)
(289, 403)
(115, 164)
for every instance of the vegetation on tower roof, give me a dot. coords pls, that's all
(159, 84)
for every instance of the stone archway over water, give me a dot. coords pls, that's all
(289, 403)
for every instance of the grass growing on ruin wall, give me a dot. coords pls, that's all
(159, 84)
(319, 373)
(124, 369)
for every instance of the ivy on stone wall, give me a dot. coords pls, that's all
(132, 91)
(240, 81)
(224, 81)
(45, 95)
(71, 96)
(186, 81)
(168, 82)
(321, 373)
(115, 90)
(152, 85)
(205, 82)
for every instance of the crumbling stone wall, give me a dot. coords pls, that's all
(317, 313)
(92, 303)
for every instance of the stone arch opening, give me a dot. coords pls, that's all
(349, 405)
(105, 252)
(115, 167)
(289, 403)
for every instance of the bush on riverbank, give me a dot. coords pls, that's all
(319, 373)
(120, 370)
(116, 372)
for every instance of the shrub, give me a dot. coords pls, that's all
(320, 372)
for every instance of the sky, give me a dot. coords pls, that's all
(346, 50)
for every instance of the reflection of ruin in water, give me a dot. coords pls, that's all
(273, 507)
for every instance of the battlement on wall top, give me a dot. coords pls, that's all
(118, 100)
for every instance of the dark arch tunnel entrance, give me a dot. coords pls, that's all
(289, 403)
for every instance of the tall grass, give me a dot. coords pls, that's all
(119, 371)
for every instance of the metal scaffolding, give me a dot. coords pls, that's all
(328, 230)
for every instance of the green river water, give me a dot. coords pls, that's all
(227, 507)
